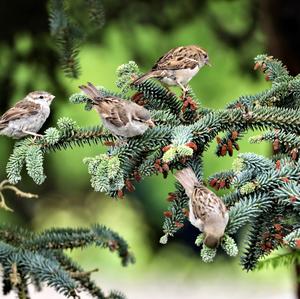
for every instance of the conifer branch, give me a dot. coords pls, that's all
(40, 257)
(70, 33)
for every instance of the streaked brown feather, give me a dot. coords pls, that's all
(205, 202)
(114, 111)
(21, 109)
(178, 58)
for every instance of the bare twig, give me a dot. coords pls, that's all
(82, 274)
(4, 185)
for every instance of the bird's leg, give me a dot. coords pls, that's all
(121, 141)
(184, 90)
(187, 100)
(32, 134)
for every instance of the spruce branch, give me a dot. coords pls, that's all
(85, 281)
(293, 239)
(70, 33)
(96, 12)
(78, 238)
(38, 257)
(39, 267)
(286, 259)
(246, 210)
(31, 152)
(266, 234)
(67, 36)
(273, 68)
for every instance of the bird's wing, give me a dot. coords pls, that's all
(114, 110)
(205, 202)
(21, 109)
(137, 112)
(178, 58)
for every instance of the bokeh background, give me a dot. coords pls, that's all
(233, 32)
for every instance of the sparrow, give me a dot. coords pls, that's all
(121, 117)
(27, 116)
(207, 211)
(177, 67)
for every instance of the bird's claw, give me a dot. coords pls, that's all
(120, 142)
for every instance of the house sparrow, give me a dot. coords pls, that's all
(178, 66)
(27, 116)
(207, 211)
(121, 117)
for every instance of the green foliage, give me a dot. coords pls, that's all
(67, 37)
(252, 163)
(293, 238)
(31, 153)
(280, 260)
(34, 163)
(125, 73)
(26, 257)
(208, 254)
(69, 33)
(96, 12)
(17, 161)
(52, 135)
(229, 246)
(106, 173)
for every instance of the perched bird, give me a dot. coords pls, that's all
(178, 66)
(27, 116)
(207, 212)
(121, 117)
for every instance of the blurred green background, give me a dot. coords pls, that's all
(233, 32)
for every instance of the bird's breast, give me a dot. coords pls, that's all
(185, 75)
(131, 129)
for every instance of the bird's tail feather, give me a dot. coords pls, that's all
(187, 178)
(151, 74)
(91, 91)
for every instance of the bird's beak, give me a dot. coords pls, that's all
(207, 63)
(150, 123)
(52, 98)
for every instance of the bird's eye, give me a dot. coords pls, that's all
(205, 55)
(41, 97)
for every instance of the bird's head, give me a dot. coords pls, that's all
(40, 97)
(213, 229)
(203, 56)
(211, 241)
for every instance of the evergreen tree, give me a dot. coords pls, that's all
(264, 192)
